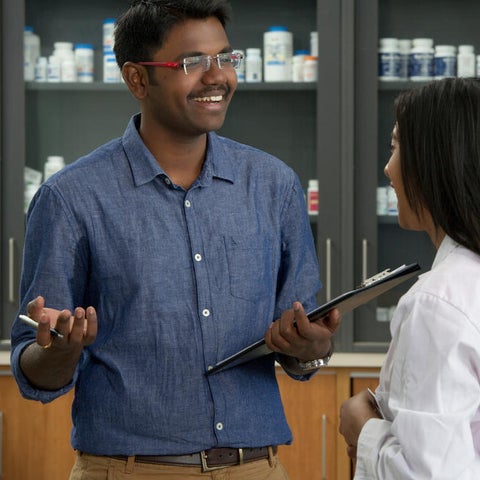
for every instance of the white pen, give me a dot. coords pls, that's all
(34, 324)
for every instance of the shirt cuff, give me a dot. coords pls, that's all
(26, 388)
(372, 437)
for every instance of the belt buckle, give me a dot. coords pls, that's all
(206, 468)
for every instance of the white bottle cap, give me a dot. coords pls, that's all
(465, 49)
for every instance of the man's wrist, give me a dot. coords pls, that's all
(311, 365)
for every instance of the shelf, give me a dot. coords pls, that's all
(121, 87)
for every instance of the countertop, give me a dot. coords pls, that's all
(360, 360)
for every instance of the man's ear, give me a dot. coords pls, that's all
(136, 78)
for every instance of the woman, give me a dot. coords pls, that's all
(429, 391)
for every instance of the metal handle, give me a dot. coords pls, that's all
(328, 268)
(324, 447)
(364, 259)
(11, 270)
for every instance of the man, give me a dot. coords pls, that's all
(186, 246)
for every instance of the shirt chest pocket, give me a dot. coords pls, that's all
(251, 265)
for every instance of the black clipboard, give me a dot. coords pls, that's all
(368, 290)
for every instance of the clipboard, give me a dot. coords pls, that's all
(368, 290)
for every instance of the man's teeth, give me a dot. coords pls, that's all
(216, 98)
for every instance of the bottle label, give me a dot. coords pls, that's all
(421, 65)
(389, 65)
(312, 202)
(445, 66)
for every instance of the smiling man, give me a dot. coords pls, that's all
(174, 248)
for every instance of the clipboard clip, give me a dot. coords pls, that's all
(375, 278)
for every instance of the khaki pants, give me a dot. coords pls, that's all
(91, 467)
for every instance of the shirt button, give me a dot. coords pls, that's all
(219, 426)
(198, 257)
(187, 203)
(206, 312)
(167, 181)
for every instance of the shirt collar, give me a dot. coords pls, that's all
(145, 168)
(447, 246)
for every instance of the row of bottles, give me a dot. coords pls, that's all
(419, 60)
(280, 63)
(69, 62)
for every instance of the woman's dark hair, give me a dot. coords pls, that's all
(438, 129)
(141, 29)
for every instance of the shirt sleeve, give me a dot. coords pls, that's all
(53, 264)
(430, 394)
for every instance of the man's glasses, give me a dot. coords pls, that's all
(201, 63)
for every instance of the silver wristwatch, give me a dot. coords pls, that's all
(314, 364)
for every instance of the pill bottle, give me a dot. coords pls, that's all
(64, 52)
(312, 197)
(392, 201)
(84, 62)
(28, 193)
(241, 69)
(466, 61)
(404, 48)
(382, 201)
(310, 69)
(421, 61)
(314, 44)
(68, 69)
(297, 65)
(111, 71)
(41, 69)
(388, 59)
(53, 69)
(278, 53)
(53, 164)
(445, 61)
(253, 65)
(31, 53)
(108, 28)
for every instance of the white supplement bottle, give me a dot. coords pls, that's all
(108, 38)
(388, 59)
(84, 62)
(310, 69)
(466, 61)
(314, 44)
(297, 65)
(278, 53)
(445, 61)
(404, 48)
(53, 69)
(41, 70)
(253, 65)
(53, 164)
(31, 53)
(64, 52)
(420, 67)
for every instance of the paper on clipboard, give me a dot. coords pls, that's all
(346, 302)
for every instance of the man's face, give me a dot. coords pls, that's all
(196, 103)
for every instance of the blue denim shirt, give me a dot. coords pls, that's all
(180, 280)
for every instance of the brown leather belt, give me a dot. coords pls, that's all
(212, 459)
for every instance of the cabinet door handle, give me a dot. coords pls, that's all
(324, 447)
(11, 270)
(364, 259)
(328, 269)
